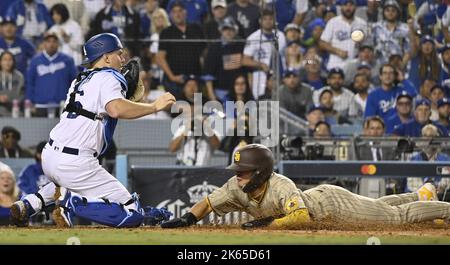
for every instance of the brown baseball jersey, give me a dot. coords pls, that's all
(281, 197)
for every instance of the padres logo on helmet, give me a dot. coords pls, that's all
(237, 156)
(257, 158)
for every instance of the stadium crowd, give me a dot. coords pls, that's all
(399, 73)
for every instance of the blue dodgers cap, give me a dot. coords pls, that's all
(427, 38)
(365, 65)
(7, 20)
(314, 108)
(177, 3)
(404, 94)
(424, 102)
(442, 102)
(444, 48)
(336, 70)
(290, 71)
(344, 2)
(331, 9)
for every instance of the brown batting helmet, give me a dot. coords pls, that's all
(253, 157)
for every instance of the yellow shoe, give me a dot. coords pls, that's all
(427, 192)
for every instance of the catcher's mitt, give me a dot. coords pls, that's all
(136, 88)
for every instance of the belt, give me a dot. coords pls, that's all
(69, 150)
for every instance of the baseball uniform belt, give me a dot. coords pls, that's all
(69, 150)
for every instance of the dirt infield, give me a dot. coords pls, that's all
(429, 233)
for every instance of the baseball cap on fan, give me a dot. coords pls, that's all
(217, 3)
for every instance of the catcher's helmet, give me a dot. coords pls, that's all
(100, 44)
(253, 157)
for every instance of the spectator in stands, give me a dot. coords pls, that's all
(445, 65)
(258, 51)
(425, 89)
(332, 116)
(94, 7)
(313, 33)
(22, 49)
(196, 10)
(11, 83)
(374, 127)
(365, 58)
(424, 63)
(295, 96)
(219, 12)
(49, 77)
(341, 95)
(330, 12)
(390, 35)
(190, 88)
(317, 10)
(431, 152)
(290, 12)
(239, 94)
(68, 31)
(32, 178)
(322, 130)
(146, 17)
(121, 20)
(311, 74)
(9, 193)
(194, 149)
(315, 115)
(437, 92)
(78, 11)
(292, 56)
(32, 19)
(336, 39)
(444, 113)
(381, 101)
(179, 59)
(246, 14)
(160, 21)
(422, 115)
(9, 146)
(403, 113)
(293, 32)
(223, 62)
(358, 103)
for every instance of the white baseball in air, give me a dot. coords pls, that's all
(357, 35)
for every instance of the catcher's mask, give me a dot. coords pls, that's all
(256, 158)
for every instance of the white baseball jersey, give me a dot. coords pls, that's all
(337, 32)
(82, 174)
(259, 48)
(94, 93)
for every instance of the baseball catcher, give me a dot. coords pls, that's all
(274, 200)
(107, 91)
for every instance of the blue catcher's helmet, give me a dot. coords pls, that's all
(100, 44)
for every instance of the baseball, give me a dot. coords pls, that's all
(357, 35)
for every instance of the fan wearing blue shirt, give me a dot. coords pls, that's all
(403, 106)
(50, 74)
(22, 49)
(422, 114)
(381, 101)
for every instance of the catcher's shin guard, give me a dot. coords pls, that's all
(105, 213)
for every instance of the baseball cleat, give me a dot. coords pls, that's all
(20, 213)
(427, 192)
(62, 214)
